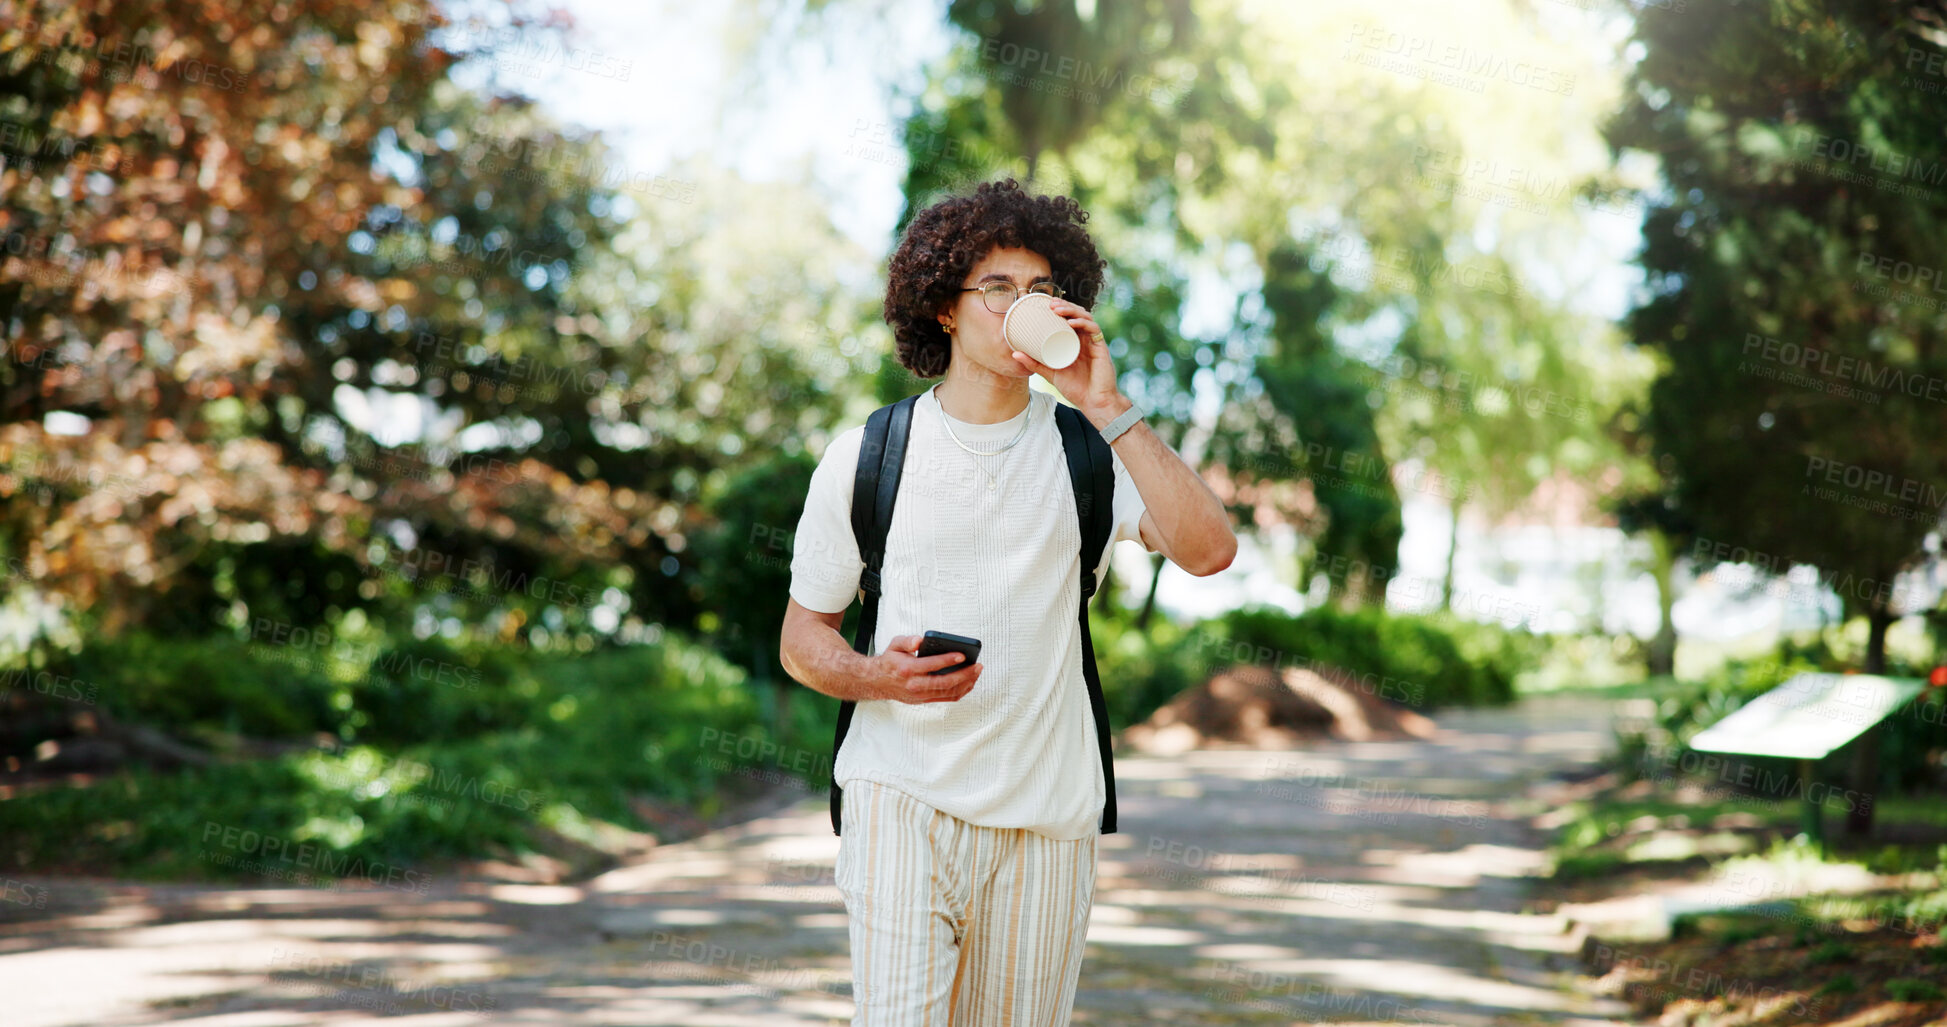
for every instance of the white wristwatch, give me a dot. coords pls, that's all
(1122, 423)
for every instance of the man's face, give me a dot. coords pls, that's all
(976, 329)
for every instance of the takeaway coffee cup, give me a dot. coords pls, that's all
(1032, 327)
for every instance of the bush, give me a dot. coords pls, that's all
(1430, 661)
(214, 683)
(580, 740)
(429, 688)
(1142, 669)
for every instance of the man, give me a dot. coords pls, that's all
(967, 852)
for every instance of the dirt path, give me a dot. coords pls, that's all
(1360, 883)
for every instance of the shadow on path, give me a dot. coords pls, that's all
(1372, 882)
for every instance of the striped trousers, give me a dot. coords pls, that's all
(957, 925)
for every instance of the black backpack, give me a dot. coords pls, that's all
(876, 486)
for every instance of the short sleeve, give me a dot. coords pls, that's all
(1129, 505)
(825, 561)
(1128, 510)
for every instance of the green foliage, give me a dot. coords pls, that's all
(1910, 739)
(1762, 241)
(1831, 952)
(214, 683)
(1142, 668)
(1431, 661)
(1907, 989)
(430, 688)
(1844, 984)
(743, 562)
(593, 735)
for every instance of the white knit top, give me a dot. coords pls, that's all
(998, 560)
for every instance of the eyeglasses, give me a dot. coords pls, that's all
(1001, 295)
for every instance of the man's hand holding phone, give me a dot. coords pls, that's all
(905, 676)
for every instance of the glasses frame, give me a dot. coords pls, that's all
(1014, 291)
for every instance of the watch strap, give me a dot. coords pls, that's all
(1122, 423)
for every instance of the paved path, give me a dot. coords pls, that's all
(1345, 882)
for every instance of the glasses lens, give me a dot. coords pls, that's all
(999, 296)
(1046, 289)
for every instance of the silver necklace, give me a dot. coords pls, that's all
(993, 482)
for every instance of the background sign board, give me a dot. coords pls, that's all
(1808, 716)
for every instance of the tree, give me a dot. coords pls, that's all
(1254, 154)
(297, 325)
(1798, 414)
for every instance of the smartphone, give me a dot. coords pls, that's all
(936, 642)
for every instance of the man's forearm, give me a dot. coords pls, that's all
(820, 659)
(1195, 529)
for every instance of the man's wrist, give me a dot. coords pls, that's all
(1101, 414)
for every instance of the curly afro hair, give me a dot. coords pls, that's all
(945, 241)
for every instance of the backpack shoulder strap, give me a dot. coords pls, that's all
(875, 487)
(1092, 473)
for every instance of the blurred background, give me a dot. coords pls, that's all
(407, 408)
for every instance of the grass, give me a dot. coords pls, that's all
(1820, 958)
(595, 753)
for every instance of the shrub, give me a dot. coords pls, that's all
(581, 740)
(1435, 660)
(215, 683)
(1142, 669)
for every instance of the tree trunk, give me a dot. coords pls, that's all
(1865, 749)
(1662, 657)
(1149, 602)
(1453, 550)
